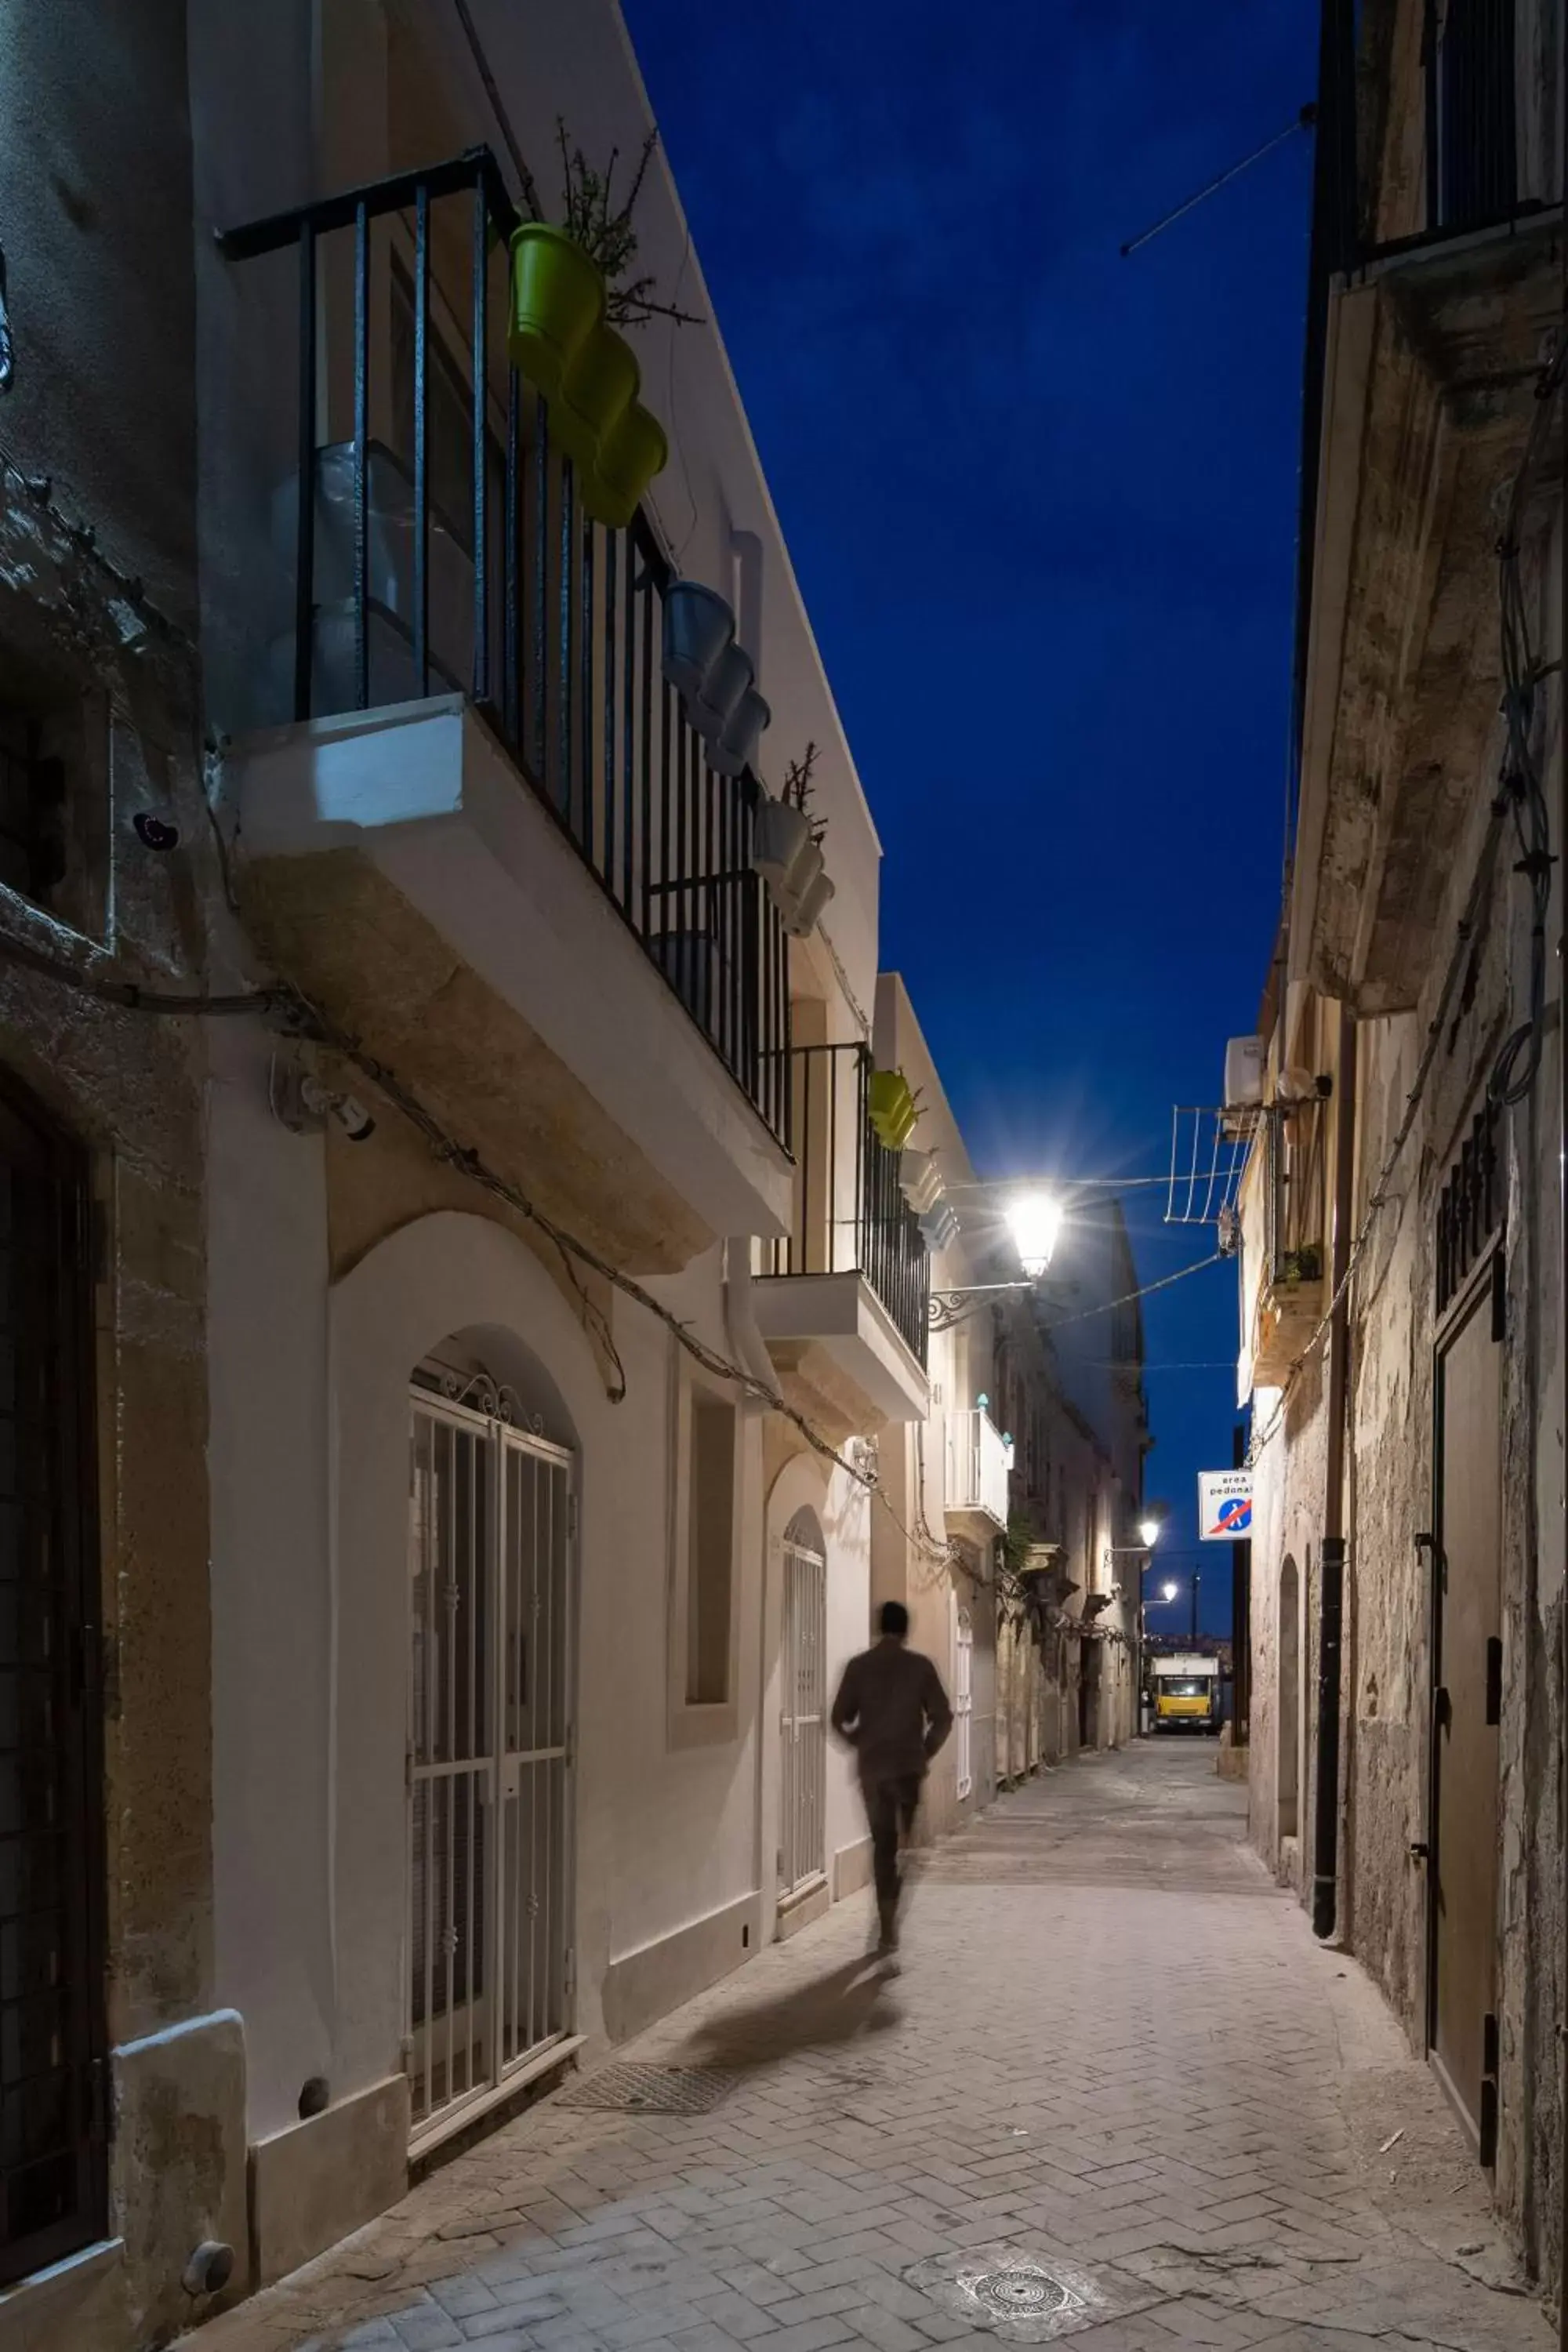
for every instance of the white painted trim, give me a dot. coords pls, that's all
(439, 1274)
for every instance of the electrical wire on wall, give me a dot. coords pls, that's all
(309, 1025)
(1520, 1059)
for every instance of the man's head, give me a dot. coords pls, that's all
(893, 1622)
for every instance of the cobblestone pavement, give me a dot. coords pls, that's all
(1115, 2078)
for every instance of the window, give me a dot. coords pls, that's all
(32, 807)
(711, 1550)
(54, 789)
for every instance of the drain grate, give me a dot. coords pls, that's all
(630, 2089)
(1023, 2297)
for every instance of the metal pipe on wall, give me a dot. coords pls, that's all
(1331, 1576)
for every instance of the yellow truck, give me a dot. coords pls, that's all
(1185, 1692)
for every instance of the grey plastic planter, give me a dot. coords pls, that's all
(698, 626)
(737, 747)
(714, 676)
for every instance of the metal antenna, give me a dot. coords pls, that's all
(1304, 121)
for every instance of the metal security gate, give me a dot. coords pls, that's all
(803, 1842)
(964, 1700)
(52, 2109)
(489, 1755)
(1467, 1644)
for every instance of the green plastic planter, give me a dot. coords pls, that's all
(557, 337)
(892, 1109)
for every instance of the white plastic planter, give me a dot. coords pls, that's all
(781, 841)
(940, 1225)
(919, 1180)
(812, 902)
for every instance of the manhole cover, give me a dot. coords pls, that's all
(1022, 2296)
(630, 2089)
(1022, 2293)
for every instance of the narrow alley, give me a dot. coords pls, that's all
(1115, 2091)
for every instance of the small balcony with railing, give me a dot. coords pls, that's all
(1437, 272)
(843, 1299)
(1284, 1205)
(979, 1475)
(484, 834)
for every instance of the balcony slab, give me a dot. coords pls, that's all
(839, 1355)
(396, 866)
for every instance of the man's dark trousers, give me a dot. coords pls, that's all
(890, 1809)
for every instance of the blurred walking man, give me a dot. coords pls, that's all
(893, 1711)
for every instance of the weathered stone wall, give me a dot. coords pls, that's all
(1389, 1503)
(97, 606)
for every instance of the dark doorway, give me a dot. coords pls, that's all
(1289, 1761)
(52, 2131)
(1466, 1699)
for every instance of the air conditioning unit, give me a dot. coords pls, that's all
(1245, 1062)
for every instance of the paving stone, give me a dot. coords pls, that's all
(1142, 2080)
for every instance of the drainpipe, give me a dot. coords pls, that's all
(1326, 1827)
(748, 1350)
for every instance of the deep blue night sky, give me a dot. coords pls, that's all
(1042, 503)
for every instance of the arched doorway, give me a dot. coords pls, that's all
(803, 1727)
(493, 1527)
(1289, 1758)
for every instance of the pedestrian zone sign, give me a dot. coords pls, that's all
(1225, 1506)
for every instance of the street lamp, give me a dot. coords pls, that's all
(1169, 1590)
(1034, 1222)
(1148, 1533)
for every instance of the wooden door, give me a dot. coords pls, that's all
(1465, 1707)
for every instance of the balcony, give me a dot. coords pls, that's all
(484, 838)
(1437, 245)
(979, 1475)
(843, 1299)
(1284, 1217)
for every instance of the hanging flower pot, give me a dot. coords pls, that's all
(736, 748)
(557, 301)
(939, 1226)
(802, 918)
(698, 626)
(892, 1107)
(633, 452)
(557, 337)
(719, 696)
(920, 1180)
(781, 838)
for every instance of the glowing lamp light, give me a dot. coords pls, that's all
(1036, 1222)
(1148, 1533)
(1168, 1592)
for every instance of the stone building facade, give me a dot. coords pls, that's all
(466, 1370)
(1401, 1233)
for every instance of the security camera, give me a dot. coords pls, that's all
(303, 1105)
(351, 1116)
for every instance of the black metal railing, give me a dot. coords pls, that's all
(439, 544)
(1470, 1205)
(1458, 127)
(849, 1213)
